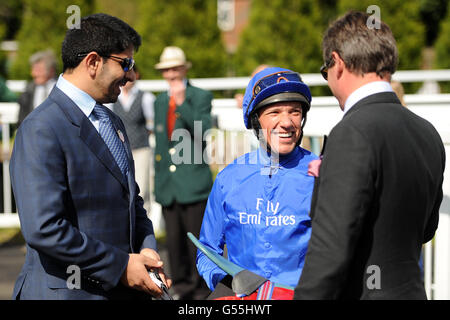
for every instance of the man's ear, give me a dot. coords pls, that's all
(92, 63)
(339, 64)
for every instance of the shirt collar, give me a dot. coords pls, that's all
(365, 91)
(83, 100)
(266, 158)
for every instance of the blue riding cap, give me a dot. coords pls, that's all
(273, 85)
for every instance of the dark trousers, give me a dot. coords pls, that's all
(181, 219)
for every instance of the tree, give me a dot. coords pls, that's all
(403, 17)
(431, 13)
(44, 25)
(284, 33)
(190, 25)
(10, 14)
(442, 46)
(9, 18)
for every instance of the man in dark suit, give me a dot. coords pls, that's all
(43, 71)
(377, 197)
(87, 234)
(183, 179)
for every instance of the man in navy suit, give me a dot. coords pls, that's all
(87, 234)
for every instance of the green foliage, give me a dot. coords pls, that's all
(403, 17)
(286, 33)
(9, 23)
(43, 27)
(125, 10)
(283, 33)
(432, 12)
(442, 46)
(190, 25)
(9, 18)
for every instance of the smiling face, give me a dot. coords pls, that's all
(112, 77)
(281, 125)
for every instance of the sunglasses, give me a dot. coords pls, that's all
(126, 63)
(325, 67)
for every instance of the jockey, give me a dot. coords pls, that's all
(259, 204)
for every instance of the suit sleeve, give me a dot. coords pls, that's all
(144, 226)
(38, 171)
(343, 197)
(432, 223)
(25, 100)
(212, 235)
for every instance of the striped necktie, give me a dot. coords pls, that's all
(111, 138)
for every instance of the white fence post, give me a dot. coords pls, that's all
(441, 284)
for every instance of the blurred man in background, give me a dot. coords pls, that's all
(43, 72)
(135, 108)
(182, 189)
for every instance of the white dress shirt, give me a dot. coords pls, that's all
(365, 91)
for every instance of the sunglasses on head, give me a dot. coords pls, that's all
(325, 67)
(126, 63)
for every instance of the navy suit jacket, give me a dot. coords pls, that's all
(76, 208)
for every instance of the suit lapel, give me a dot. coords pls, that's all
(88, 134)
(95, 142)
(382, 97)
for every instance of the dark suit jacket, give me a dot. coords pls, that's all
(75, 205)
(191, 181)
(376, 202)
(26, 101)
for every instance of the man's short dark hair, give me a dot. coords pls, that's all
(362, 49)
(101, 33)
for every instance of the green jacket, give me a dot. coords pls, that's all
(181, 173)
(6, 95)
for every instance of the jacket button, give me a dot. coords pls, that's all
(172, 151)
(172, 168)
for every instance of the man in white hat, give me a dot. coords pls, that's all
(183, 188)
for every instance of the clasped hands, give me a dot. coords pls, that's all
(136, 274)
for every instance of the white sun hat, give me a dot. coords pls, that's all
(172, 57)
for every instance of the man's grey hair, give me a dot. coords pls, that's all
(46, 56)
(362, 49)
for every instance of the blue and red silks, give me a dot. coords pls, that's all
(265, 290)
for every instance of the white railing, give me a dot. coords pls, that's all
(324, 114)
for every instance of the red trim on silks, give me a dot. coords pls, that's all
(267, 291)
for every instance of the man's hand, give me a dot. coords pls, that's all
(136, 274)
(178, 91)
(152, 254)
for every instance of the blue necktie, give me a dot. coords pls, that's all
(111, 138)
